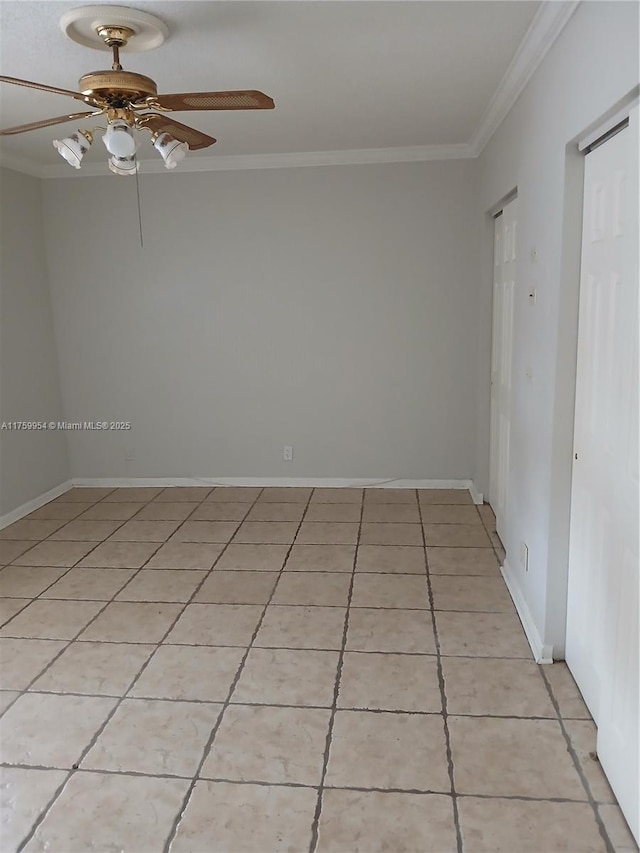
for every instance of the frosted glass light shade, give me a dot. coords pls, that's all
(171, 150)
(124, 165)
(73, 148)
(119, 139)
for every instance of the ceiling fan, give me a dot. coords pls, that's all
(130, 101)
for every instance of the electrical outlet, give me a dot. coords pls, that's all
(287, 453)
(524, 556)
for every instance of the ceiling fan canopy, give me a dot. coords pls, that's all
(125, 96)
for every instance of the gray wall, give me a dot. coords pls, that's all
(328, 308)
(30, 462)
(592, 67)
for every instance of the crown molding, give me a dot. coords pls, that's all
(548, 23)
(231, 162)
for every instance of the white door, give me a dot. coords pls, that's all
(504, 266)
(604, 560)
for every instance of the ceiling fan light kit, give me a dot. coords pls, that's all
(130, 101)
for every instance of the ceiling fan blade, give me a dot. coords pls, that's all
(248, 99)
(22, 128)
(195, 139)
(44, 88)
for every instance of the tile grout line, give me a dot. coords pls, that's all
(315, 826)
(43, 814)
(211, 739)
(578, 767)
(443, 698)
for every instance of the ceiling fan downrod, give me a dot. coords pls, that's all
(115, 38)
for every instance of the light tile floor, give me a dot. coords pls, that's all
(243, 669)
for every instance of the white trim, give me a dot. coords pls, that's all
(476, 496)
(30, 506)
(229, 162)
(541, 652)
(305, 482)
(607, 125)
(548, 23)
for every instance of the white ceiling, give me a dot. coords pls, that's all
(344, 75)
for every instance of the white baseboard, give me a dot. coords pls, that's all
(34, 504)
(541, 652)
(305, 482)
(476, 496)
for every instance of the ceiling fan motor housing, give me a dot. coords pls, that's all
(117, 87)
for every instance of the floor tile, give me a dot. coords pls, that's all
(165, 511)
(494, 686)
(114, 511)
(389, 682)
(408, 631)
(488, 516)
(267, 532)
(196, 673)
(79, 530)
(456, 535)
(10, 606)
(119, 555)
(471, 593)
(451, 514)
(301, 627)
(90, 584)
(63, 511)
(504, 826)
(321, 558)
(390, 496)
(25, 794)
(86, 493)
(401, 751)
(126, 622)
(266, 511)
(268, 744)
(617, 829)
(220, 511)
(330, 588)
(385, 822)
(52, 620)
(398, 513)
(582, 734)
(216, 624)
(241, 494)
(152, 585)
(29, 529)
(337, 496)
(444, 496)
(205, 531)
(512, 757)
(375, 533)
(285, 494)
(287, 677)
(156, 737)
(257, 558)
(462, 561)
(132, 494)
(565, 692)
(223, 587)
(482, 635)
(95, 668)
(10, 550)
(6, 698)
(173, 494)
(23, 660)
(348, 512)
(55, 554)
(223, 817)
(399, 591)
(27, 581)
(144, 531)
(327, 533)
(109, 812)
(51, 730)
(390, 559)
(185, 555)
